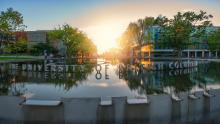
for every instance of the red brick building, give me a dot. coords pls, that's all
(21, 35)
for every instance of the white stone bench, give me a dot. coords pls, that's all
(138, 100)
(106, 101)
(31, 102)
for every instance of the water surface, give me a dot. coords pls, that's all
(104, 78)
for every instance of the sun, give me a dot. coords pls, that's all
(104, 35)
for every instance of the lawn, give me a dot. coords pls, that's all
(16, 58)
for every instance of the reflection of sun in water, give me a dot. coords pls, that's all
(104, 35)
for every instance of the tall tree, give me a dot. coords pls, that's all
(128, 38)
(143, 25)
(135, 34)
(76, 41)
(177, 32)
(161, 21)
(214, 40)
(10, 21)
(19, 46)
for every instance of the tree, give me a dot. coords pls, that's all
(39, 49)
(76, 41)
(87, 47)
(69, 36)
(19, 46)
(179, 31)
(214, 40)
(128, 38)
(10, 21)
(135, 34)
(161, 21)
(143, 25)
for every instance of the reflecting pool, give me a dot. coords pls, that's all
(54, 80)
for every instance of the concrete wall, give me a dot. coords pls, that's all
(161, 110)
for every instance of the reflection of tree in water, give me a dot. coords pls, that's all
(17, 88)
(10, 84)
(131, 77)
(179, 82)
(213, 71)
(152, 82)
(4, 79)
(4, 85)
(199, 77)
(13, 81)
(70, 80)
(207, 74)
(137, 80)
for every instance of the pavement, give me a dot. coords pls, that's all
(160, 110)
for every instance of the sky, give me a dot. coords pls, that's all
(102, 20)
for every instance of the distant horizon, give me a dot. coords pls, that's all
(102, 20)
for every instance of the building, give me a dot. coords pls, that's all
(33, 38)
(153, 33)
(41, 36)
(198, 48)
(21, 35)
(36, 37)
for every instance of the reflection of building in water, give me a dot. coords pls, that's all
(147, 63)
(150, 80)
(167, 65)
(11, 84)
(199, 78)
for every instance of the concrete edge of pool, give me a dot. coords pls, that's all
(88, 110)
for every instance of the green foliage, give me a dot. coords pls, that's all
(135, 34)
(162, 21)
(143, 25)
(19, 46)
(75, 41)
(39, 49)
(55, 34)
(180, 82)
(129, 37)
(177, 32)
(214, 40)
(184, 26)
(11, 21)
